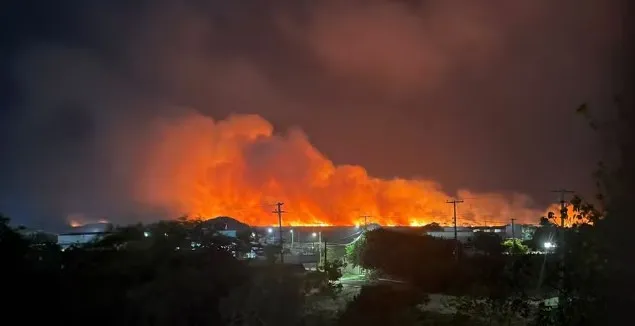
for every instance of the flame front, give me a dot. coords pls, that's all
(238, 167)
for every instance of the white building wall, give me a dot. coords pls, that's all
(67, 240)
(462, 236)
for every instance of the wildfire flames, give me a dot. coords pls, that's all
(78, 220)
(238, 167)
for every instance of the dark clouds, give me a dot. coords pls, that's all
(472, 96)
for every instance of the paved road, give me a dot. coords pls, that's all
(353, 281)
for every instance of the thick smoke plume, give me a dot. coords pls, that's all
(239, 167)
(152, 109)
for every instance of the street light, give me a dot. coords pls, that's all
(291, 231)
(549, 245)
(146, 234)
(319, 236)
(269, 230)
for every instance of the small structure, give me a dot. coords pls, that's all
(518, 231)
(521, 231)
(228, 233)
(464, 235)
(492, 229)
(37, 236)
(84, 234)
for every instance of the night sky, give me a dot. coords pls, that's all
(471, 96)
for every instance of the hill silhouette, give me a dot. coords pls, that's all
(226, 223)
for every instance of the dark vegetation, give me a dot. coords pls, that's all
(429, 264)
(131, 279)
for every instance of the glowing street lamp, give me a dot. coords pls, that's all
(549, 245)
(269, 230)
(291, 231)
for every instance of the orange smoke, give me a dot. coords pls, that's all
(238, 167)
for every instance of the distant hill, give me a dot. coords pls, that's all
(227, 223)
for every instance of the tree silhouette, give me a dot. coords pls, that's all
(515, 246)
(354, 251)
(488, 243)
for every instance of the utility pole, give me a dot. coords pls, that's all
(279, 211)
(366, 221)
(563, 204)
(324, 263)
(513, 237)
(563, 215)
(456, 236)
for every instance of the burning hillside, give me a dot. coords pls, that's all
(238, 167)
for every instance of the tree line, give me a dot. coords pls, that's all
(179, 275)
(130, 279)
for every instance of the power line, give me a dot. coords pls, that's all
(357, 236)
(365, 217)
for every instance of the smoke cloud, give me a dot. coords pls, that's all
(150, 110)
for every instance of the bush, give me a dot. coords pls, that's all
(515, 246)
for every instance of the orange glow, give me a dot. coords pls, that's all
(571, 216)
(238, 167)
(75, 224)
(77, 220)
(416, 223)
